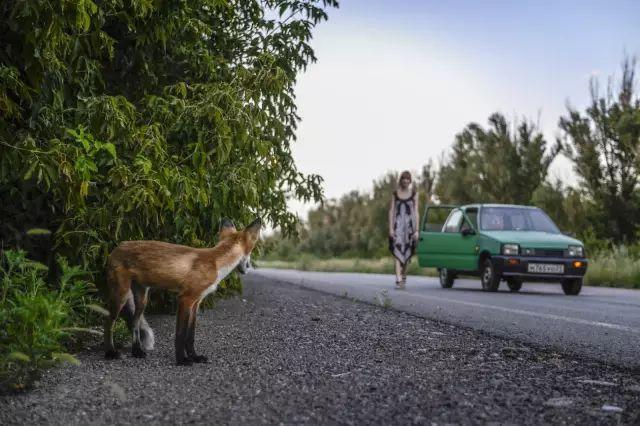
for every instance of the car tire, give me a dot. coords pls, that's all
(514, 284)
(572, 287)
(489, 279)
(446, 278)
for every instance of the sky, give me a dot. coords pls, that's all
(395, 81)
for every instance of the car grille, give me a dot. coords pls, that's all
(549, 253)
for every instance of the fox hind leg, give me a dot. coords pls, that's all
(140, 298)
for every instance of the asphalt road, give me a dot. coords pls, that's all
(601, 323)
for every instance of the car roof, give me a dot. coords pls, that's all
(467, 206)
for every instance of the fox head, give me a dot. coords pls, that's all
(247, 239)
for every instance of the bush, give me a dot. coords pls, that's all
(149, 120)
(36, 319)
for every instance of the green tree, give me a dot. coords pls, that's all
(503, 164)
(603, 144)
(355, 225)
(149, 120)
(568, 208)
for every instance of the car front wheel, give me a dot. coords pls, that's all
(514, 284)
(488, 276)
(446, 278)
(572, 287)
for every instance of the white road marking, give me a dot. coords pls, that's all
(354, 287)
(537, 314)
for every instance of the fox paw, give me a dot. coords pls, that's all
(184, 362)
(112, 354)
(137, 352)
(200, 359)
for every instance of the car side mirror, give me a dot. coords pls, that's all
(467, 231)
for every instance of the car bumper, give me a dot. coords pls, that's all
(518, 266)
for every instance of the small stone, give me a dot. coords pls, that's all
(634, 389)
(513, 351)
(597, 382)
(612, 409)
(559, 402)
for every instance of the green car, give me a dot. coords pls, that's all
(499, 242)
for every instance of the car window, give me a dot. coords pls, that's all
(435, 218)
(472, 214)
(453, 223)
(516, 219)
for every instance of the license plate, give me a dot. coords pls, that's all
(545, 268)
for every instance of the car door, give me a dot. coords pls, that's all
(449, 248)
(430, 244)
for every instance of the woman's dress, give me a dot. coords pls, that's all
(403, 244)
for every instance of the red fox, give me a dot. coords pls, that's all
(193, 273)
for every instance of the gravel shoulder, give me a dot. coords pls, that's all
(283, 354)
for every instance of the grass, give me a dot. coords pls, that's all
(369, 266)
(613, 268)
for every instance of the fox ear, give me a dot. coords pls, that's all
(226, 228)
(254, 228)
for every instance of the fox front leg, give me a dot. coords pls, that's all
(191, 333)
(182, 327)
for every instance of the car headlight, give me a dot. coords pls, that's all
(510, 249)
(575, 251)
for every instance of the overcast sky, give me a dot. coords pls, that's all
(396, 80)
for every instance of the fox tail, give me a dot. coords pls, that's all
(146, 333)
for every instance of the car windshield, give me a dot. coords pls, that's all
(516, 219)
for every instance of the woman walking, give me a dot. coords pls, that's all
(403, 226)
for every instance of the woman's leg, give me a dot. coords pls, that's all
(398, 270)
(405, 268)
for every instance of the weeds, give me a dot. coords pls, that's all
(384, 300)
(36, 319)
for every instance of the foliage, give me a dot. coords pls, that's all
(149, 120)
(36, 318)
(565, 205)
(603, 145)
(497, 164)
(354, 225)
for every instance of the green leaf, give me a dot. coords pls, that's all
(19, 356)
(99, 309)
(111, 149)
(65, 357)
(38, 232)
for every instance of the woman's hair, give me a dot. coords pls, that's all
(405, 174)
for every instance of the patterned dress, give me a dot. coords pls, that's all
(403, 245)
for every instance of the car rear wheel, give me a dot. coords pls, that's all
(572, 287)
(514, 284)
(488, 277)
(446, 278)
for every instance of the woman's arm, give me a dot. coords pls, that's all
(392, 215)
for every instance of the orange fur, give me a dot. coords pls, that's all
(134, 266)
